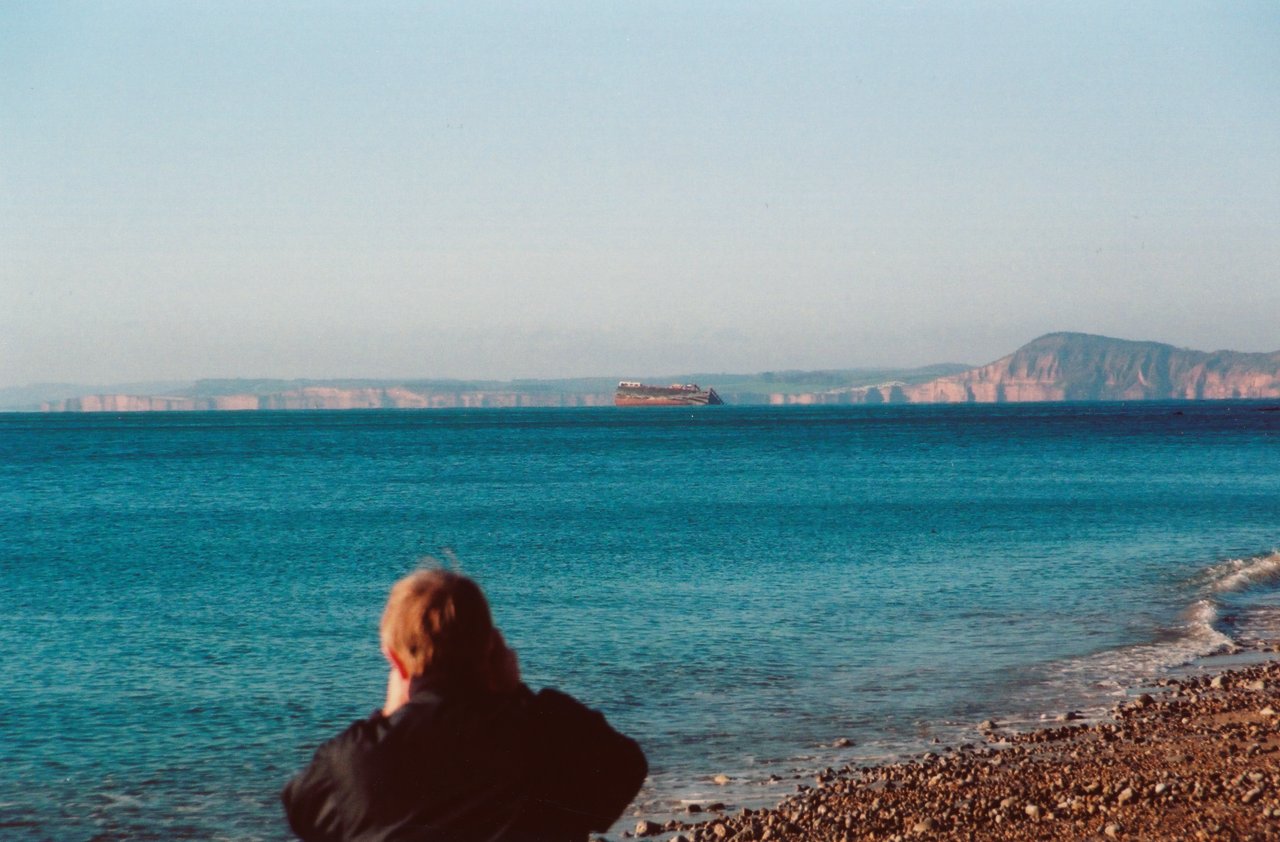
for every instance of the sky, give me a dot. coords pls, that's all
(562, 189)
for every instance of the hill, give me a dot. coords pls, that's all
(1083, 367)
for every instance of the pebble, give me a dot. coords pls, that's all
(647, 828)
(721, 779)
(1186, 764)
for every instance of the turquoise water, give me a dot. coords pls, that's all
(189, 601)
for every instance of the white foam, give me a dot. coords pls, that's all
(1204, 637)
(1090, 679)
(1260, 625)
(1088, 685)
(1093, 682)
(1239, 574)
(121, 800)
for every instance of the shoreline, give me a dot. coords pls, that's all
(1197, 758)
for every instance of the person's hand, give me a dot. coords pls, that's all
(397, 691)
(503, 669)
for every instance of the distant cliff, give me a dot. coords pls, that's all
(329, 397)
(1057, 367)
(250, 394)
(1081, 367)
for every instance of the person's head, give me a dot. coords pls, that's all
(437, 622)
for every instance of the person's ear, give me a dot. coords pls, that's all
(397, 663)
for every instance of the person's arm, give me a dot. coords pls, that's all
(317, 802)
(592, 771)
(309, 803)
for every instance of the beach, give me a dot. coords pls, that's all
(1197, 758)
(755, 594)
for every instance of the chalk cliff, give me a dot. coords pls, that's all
(1056, 367)
(327, 397)
(1078, 367)
(1081, 367)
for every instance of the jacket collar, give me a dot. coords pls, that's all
(437, 685)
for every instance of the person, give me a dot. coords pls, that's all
(462, 750)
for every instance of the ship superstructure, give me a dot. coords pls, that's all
(633, 393)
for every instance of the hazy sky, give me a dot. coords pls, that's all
(197, 189)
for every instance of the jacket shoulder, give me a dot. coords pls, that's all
(589, 768)
(317, 800)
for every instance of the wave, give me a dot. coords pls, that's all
(1203, 630)
(1242, 574)
(1200, 628)
(1212, 624)
(1095, 678)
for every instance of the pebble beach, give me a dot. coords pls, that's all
(1197, 758)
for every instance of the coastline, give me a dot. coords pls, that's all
(1087, 690)
(739, 597)
(1197, 758)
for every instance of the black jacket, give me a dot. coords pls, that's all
(460, 765)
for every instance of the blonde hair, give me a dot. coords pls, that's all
(438, 621)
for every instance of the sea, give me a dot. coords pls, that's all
(189, 601)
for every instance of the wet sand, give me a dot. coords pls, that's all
(1196, 759)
